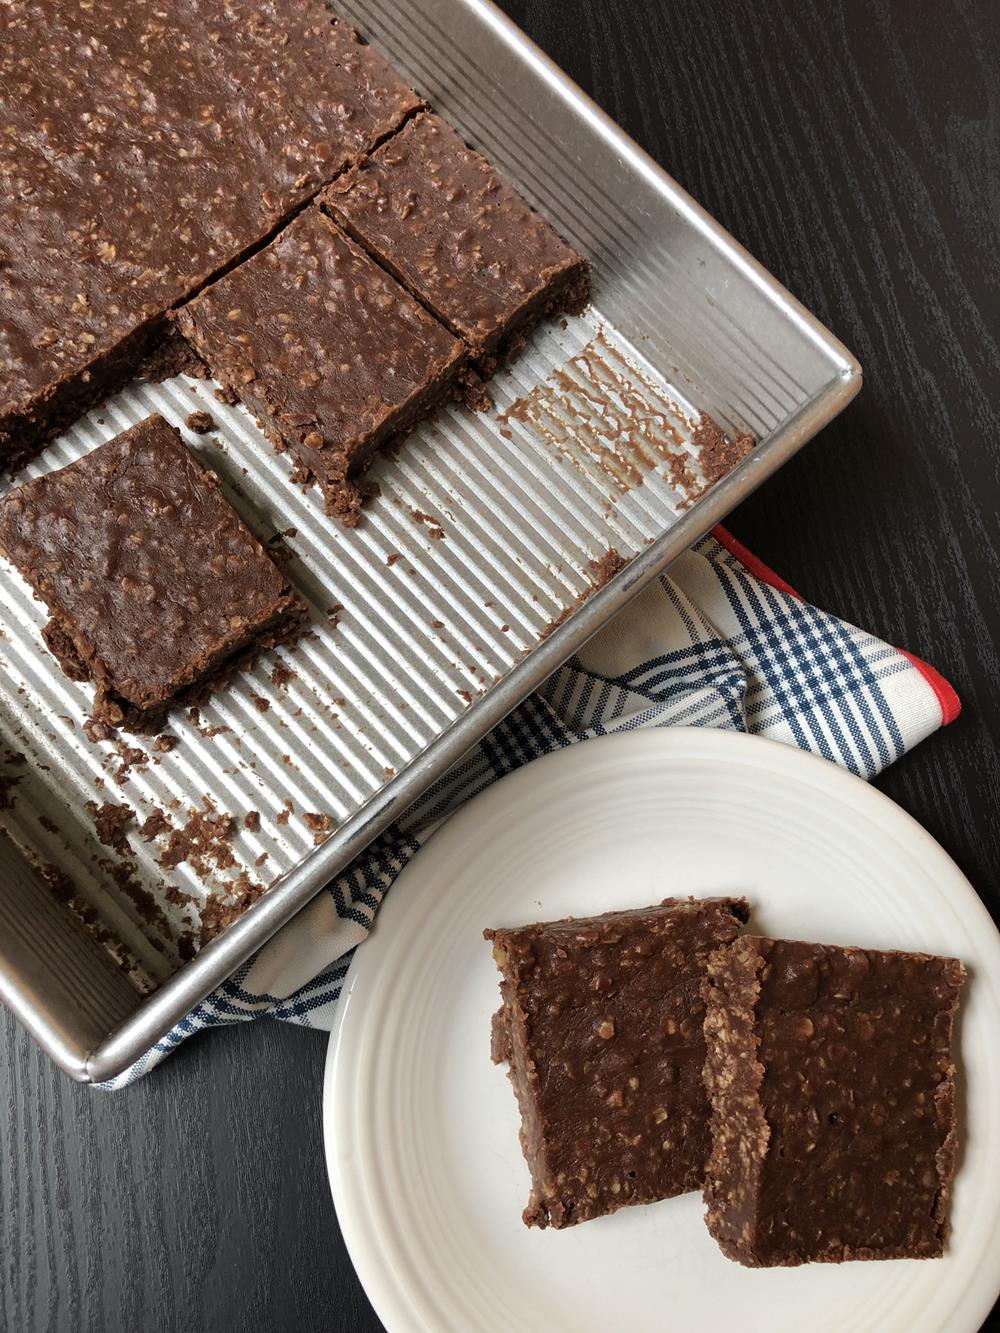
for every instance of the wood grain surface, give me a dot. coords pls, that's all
(854, 147)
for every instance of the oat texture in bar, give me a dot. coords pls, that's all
(326, 349)
(601, 1023)
(833, 1102)
(153, 583)
(144, 148)
(460, 237)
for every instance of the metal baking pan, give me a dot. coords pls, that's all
(469, 580)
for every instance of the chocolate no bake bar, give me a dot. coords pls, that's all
(833, 1102)
(152, 581)
(328, 351)
(601, 1023)
(460, 237)
(143, 148)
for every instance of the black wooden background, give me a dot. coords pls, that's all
(854, 147)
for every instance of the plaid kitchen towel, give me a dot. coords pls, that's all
(719, 642)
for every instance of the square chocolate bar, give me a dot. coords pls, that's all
(152, 581)
(833, 1102)
(601, 1023)
(327, 350)
(460, 237)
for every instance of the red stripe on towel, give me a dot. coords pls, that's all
(948, 701)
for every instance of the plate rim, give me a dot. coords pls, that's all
(390, 1300)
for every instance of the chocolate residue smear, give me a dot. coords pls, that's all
(717, 453)
(63, 888)
(64, 891)
(111, 821)
(12, 759)
(124, 875)
(602, 571)
(202, 841)
(600, 410)
(562, 617)
(434, 529)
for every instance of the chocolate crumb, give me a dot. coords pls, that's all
(154, 824)
(251, 821)
(717, 453)
(221, 910)
(604, 569)
(165, 743)
(203, 842)
(260, 703)
(281, 674)
(474, 393)
(131, 757)
(200, 422)
(320, 825)
(391, 558)
(226, 395)
(110, 821)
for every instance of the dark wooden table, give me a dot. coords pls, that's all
(854, 147)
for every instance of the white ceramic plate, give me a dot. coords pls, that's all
(421, 1129)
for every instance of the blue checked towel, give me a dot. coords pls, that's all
(719, 642)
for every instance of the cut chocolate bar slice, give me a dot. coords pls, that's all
(833, 1102)
(145, 148)
(328, 351)
(459, 237)
(601, 1023)
(152, 581)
